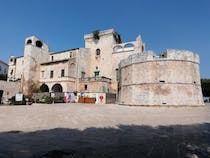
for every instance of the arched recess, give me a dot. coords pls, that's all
(117, 48)
(29, 41)
(57, 88)
(129, 45)
(39, 44)
(44, 88)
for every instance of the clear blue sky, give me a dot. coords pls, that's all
(163, 24)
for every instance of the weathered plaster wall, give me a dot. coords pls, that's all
(97, 86)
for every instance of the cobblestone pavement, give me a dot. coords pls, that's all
(171, 135)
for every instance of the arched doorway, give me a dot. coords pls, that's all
(1, 94)
(44, 88)
(57, 88)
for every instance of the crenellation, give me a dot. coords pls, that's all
(173, 78)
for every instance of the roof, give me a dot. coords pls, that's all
(56, 61)
(20, 56)
(3, 63)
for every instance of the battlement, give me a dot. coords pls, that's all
(168, 55)
(100, 33)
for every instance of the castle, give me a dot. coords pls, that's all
(106, 65)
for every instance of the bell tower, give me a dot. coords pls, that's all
(35, 52)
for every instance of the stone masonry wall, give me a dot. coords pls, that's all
(9, 89)
(171, 79)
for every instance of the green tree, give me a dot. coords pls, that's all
(3, 77)
(205, 85)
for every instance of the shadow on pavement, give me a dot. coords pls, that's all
(126, 141)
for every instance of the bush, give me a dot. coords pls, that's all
(58, 100)
(3, 77)
(46, 100)
(205, 85)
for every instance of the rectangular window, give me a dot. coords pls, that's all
(82, 74)
(85, 87)
(96, 73)
(62, 73)
(117, 74)
(42, 74)
(51, 74)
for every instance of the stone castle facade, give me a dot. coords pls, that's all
(106, 65)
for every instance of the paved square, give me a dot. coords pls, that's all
(89, 130)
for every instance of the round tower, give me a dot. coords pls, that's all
(173, 78)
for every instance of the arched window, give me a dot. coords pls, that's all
(129, 45)
(44, 88)
(98, 52)
(57, 88)
(11, 72)
(39, 44)
(117, 48)
(142, 47)
(29, 41)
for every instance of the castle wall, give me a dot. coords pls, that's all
(9, 89)
(101, 62)
(63, 55)
(144, 79)
(171, 79)
(95, 84)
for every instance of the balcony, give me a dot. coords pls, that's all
(96, 79)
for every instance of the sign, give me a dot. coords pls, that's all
(101, 97)
(19, 97)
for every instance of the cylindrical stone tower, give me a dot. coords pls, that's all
(173, 78)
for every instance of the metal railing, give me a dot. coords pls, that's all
(98, 79)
